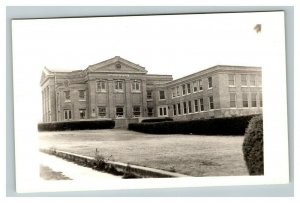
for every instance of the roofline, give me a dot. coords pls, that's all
(211, 69)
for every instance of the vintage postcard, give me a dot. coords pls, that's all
(127, 102)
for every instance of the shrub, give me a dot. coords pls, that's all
(77, 125)
(214, 126)
(153, 120)
(253, 146)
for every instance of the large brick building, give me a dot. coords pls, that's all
(119, 89)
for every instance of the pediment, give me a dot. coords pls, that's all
(117, 65)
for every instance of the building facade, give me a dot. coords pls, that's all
(119, 89)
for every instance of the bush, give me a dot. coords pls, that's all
(215, 126)
(77, 125)
(153, 120)
(253, 146)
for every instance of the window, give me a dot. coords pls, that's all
(101, 111)
(232, 100)
(81, 94)
(150, 111)
(245, 100)
(179, 108)
(200, 85)
(149, 94)
(244, 80)
(67, 96)
(67, 114)
(195, 86)
(188, 86)
(201, 105)
(163, 111)
(162, 95)
(173, 92)
(260, 99)
(119, 85)
(231, 81)
(82, 113)
(177, 91)
(136, 86)
(174, 110)
(190, 106)
(136, 111)
(211, 102)
(252, 80)
(259, 81)
(196, 107)
(119, 111)
(210, 82)
(183, 90)
(101, 86)
(184, 108)
(253, 100)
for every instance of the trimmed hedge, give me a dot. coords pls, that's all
(153, 120)
(215, 126)
(77, 125)
(253, 146)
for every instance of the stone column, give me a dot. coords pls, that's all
(128, 100)
(144, 109)
(111, 99)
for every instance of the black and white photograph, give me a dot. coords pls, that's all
(150, 101)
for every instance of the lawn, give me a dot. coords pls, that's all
(195, 155)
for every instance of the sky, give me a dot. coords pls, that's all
(178, 45)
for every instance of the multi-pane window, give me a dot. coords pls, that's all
(252, 80)
(200, 85)
(260, 99)
(188, 86)
(136, 86)
(210, 82)
(195, 86)
(82, 113)
(244, 80)
(162, 94)
(179, 108)
(67, 96)
(81, 94)
(183, 90)
(150, 111)
(184, 108)
(101, 86)
(162, 111)
(119, 111)
(190, 106)
(177, 91)
(173, 92)
(136, 111)
(201, 104)
(149, 94)
(67, 114)
(211, 102)
(245, 100)
(174, 110)
(253, 99)
(101, 111)
(232, 100)
(119, 85)
(231, 80)
(196, 107)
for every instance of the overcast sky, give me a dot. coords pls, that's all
(172, 44)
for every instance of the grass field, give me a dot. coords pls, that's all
(193, 155)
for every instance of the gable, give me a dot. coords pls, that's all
(117, 65)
